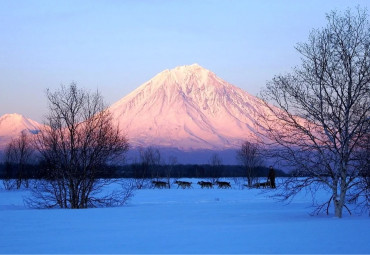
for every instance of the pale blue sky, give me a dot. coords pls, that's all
(115, 46)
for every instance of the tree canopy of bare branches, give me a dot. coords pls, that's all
(216, 168)
(17, 155)
(78, 141)
(249, 155)
(147, 167)
(323, 108)
(150, 158)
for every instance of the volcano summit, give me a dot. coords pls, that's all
(188, 108)
(12, 125)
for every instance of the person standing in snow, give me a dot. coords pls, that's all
(271, 177)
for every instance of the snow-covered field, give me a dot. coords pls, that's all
(181, 221)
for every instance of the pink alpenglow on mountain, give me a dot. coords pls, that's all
(188, 108)
(185, 111)
(12, 125)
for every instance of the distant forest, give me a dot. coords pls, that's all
(144, 171)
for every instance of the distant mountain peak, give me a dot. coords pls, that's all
(14, 118)
(194, 66)
(181, 73)
(190, 68)
(12, 115)
(11, 126)
(187, 107)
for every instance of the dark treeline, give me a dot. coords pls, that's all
(12, 171)
(191, 171)
(39, 171)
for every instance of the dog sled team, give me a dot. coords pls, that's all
(270, 181)
(209, 185)
(220, 184)
(185, 185)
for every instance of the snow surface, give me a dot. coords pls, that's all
(181, 221)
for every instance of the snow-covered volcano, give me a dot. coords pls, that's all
(188, 108)
(11, 126)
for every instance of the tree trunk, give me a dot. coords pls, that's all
(339, 199)
(338, 205)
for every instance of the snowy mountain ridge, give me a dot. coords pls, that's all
(184, 109)
(188, 108)
(12, 125)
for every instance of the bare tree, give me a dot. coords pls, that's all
(323, 109)
(172, 161)
(216, 168)
(249, 156)
(360, 193)
(79, 140)
(148, 166)
(138, 174)
(150, 160)
(17, 156)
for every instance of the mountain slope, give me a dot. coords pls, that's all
(11, 126)
(188, 108)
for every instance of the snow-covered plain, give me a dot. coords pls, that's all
(182, 221)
